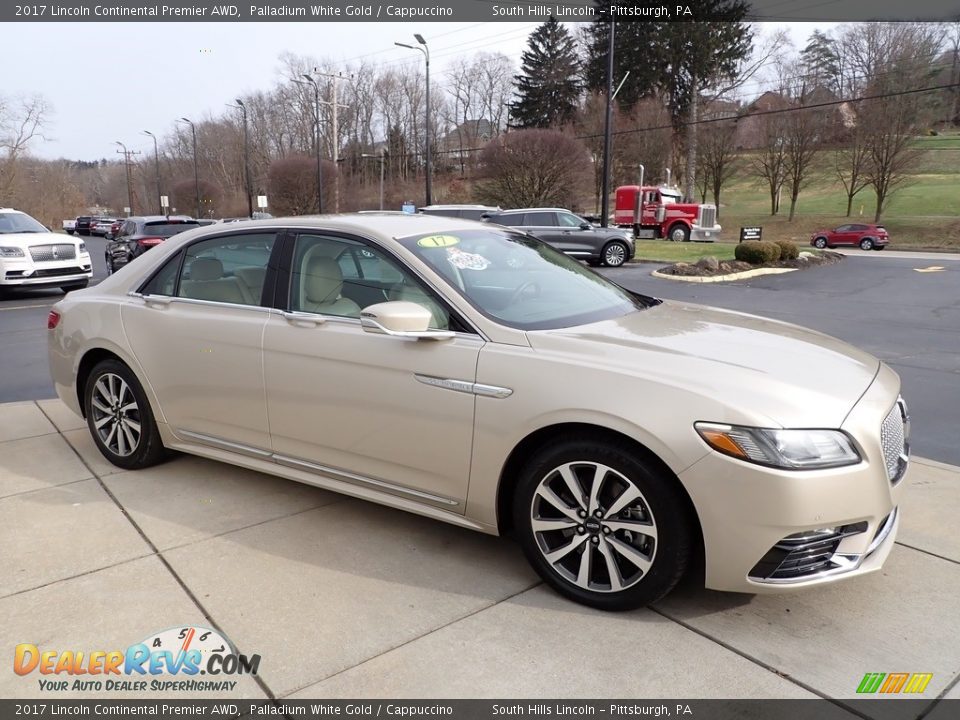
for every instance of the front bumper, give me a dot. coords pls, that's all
(25, 272)
(768, 530)
(705, 234)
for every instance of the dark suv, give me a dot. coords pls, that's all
(84, 224)
(139, 234)
(571, 234)
(466, 212)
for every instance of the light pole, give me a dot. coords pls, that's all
(316, 121)
(126, 167)
(156, 159)
(426, 54)
(196, 167)
(246, 156)
(382, 157)
(607, 134)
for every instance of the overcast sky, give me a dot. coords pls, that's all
(110, 81)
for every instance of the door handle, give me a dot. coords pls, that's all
(301, 319)
(157, 300)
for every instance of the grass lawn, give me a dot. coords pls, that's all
(672, 252)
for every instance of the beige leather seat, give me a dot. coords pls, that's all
(251, 281)
(207, 283)
(320, 284)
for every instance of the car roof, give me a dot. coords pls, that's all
(460, 207)
(159, 218)
(526, 210)
(386, 225)
(11, 210)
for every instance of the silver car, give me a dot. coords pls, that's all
(475, 375)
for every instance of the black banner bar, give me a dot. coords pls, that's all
(462, 11)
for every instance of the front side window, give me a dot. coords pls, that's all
(340, 276)
(569, 220)
(229, 269)
(521, 282)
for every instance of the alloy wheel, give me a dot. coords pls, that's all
(116, 415)
(594, 527)
(614, 255)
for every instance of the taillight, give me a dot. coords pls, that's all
(149, 242)
(53, 319)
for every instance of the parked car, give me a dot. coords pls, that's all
(473, 374)
(32, 256)
(467, 212)
(69, 226)
(139, 234)
(571, 234)
(114, 229)
(83, 224)
(102, 226)
(868, 237)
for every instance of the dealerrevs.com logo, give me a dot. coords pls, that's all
(170, 661)
(894, 683)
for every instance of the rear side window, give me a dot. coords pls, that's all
(513, 220)
(540, 219)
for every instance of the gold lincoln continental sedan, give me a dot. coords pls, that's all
(470, 373)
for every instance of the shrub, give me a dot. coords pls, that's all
(757, 252)
(788, 250)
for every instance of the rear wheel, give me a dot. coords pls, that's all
(866, 244)
(614, 254)
(679, 233)
(820, 243)
(119, 417)
(600, 525)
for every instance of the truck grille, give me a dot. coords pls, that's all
(707, 217)
(894, 434)
(53, 253)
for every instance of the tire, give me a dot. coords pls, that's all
(679, 233)
(108, 259)
(105, 396)
(614, 253)
(657, 505)
(75, 286)
(866, 244)
(820, 243)
(879, 247)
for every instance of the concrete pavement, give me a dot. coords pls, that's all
(343, 598)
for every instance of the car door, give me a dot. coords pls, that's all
(371, 410)
(843, 235)
(578, 241)
(196, 329)
(543, 225)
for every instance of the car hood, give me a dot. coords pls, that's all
(24, 240)
(790, 375)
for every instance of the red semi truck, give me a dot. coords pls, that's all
(659, 213)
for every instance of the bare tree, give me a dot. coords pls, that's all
(22, 121)
(850, 165)
(770, 162)
(718, 158)
(293, 184)
(890, 126)
(530, 168)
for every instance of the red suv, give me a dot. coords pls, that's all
(868, 237)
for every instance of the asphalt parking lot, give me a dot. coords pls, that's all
(345, 599)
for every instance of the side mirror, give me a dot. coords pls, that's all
(586, 226)
(401, 318)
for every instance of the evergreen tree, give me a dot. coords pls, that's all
(548, 87)
(821, 62)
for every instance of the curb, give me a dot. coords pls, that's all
(723, 278)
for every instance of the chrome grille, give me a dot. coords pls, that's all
(893, 436)
(53, 253)
(707, 217)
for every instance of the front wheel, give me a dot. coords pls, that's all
(615, 254)
(600, 525)
(119, 417)
(820, 243)
(866, 244)
(679, 233)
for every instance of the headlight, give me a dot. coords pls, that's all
(788, 449)
(83, 247)
(10, 251)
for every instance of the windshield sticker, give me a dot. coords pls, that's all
(466, 261)
(438, 241)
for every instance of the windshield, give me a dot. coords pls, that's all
(19, 223)
(668, 199)
(521, 282)
(165, 229)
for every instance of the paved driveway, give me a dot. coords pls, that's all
(343, 598)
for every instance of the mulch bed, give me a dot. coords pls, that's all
(710, 266)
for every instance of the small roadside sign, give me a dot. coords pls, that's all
(261, 201)
(751, 233)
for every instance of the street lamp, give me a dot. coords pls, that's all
(382, 157)
(126, 167)
(156, 158)
(316, 120)
(196, 167)
(426, 53)
(246, 156)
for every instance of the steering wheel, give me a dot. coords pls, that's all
(528, 289)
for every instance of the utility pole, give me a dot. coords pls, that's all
(126, 163)
(156, 160)
(246, 156)
(336, 134)
(607, 134)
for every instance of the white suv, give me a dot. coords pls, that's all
(32, 256)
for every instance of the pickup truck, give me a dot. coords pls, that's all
(69, 226)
